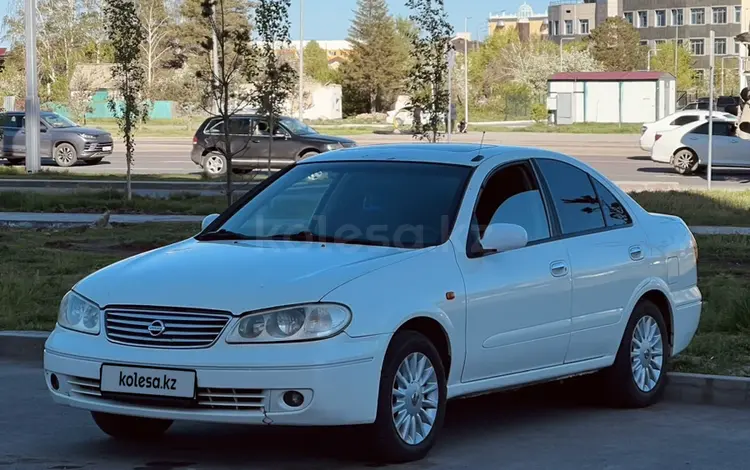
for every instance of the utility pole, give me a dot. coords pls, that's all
(451, 64)
(301, 59)
(676, 36)
(33, 159)
(466, 71)
(215, 56)
(711, 67)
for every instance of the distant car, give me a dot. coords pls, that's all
(673, 121)
(686, 148)
(292, 141)
(402, 277)
(61, 139)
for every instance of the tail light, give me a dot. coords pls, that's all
(643, 129)
(657, 137)
(694, 243)
(195, 140)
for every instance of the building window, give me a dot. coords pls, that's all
(738, 14)
(697, 46)
(584, 26)
(736, 47)
(659, 42)
(678, 17)
(629, 17)
(697, 16)
(720, 46)
(661, 18)
(680, 43)
(719, 15)
(699, 75)
(556, 28)
(568, 27)
(643, 42)
(643, 19)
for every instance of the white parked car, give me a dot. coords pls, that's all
(401, 277)
(686, 148)
(674, 121)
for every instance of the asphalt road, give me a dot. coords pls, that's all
(618, 156)
(540, 429)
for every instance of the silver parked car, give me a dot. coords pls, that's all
(62, 140)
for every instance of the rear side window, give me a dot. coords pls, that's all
(614, 212)
(720, 128)
(11, 120)
(682, 120)
(573, 196)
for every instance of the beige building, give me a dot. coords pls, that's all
(537, 22)
(571, 19)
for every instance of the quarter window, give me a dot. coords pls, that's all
(614, 212)
(573, 196)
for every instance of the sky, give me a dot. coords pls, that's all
(330, 19)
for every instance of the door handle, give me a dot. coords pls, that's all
(636, 253)
(255, 141)
(558, 268)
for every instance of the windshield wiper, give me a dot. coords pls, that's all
(304, 236)
(222, 234)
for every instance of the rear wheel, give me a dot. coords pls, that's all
(130, 428)
(638, 376)
(685, 161)
(412, 399)
(215, 164)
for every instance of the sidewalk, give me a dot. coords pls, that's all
(44, 219)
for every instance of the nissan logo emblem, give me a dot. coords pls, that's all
(156, 328)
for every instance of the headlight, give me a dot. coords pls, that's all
(88, 136)
(305, 322)
(77, 313)
(335, 146)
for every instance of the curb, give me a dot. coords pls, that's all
(696, 389)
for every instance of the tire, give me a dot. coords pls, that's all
(623, 378)
(16, 161)
(215, 165)
(308, 154)
(65, 155)
(130, 428)
(389, 446)
(685, 161)
(94, 161)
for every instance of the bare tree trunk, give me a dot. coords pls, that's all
(270, 140)
(227, 146)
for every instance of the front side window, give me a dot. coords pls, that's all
(719, 15)
(512, 196)
(407, 205)
(573, 196)
(678, 18)
(697, 16)
(297, 127)
(57, 121)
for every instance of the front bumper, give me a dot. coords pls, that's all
(339, 379)
(92, 150)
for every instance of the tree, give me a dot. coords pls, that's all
(428, 79)
(662, 60)
(316, 63)
(222, 84)
(274, 81)
(616, 44)
(126, 34)
(156, 18)
(93, 23)
(375, 66)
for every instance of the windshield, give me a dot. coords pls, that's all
(297, 127)
(57, 121)
(398, 204)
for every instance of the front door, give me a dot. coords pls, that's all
(283, 149)
(518, 311)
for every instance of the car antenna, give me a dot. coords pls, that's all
(479, 154)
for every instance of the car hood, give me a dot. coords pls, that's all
(327, 139)
(234, 276)
(83, 130)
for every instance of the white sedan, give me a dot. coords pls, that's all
(401, 277)
(674, 121)
(686, 148)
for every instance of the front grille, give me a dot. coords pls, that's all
(97, 146)
(164, 328)
(231, 398)
(84, 386)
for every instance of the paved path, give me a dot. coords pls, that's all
(538, 429)
(36, 218)
(618, 156)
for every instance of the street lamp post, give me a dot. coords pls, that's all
(301, 59)
(33, 159)
(466, 71)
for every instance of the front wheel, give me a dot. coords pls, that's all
(638, 376)
(412, 399)
(685, 161)
(130, 428)
(65, 155)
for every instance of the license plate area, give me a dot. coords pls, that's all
(148, 381)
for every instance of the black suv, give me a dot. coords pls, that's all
(292, 140)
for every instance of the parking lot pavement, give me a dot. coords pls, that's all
(546, 427)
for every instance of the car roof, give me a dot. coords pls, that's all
(464, 154)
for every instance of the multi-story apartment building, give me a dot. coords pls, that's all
(537, 22)
(571, 19)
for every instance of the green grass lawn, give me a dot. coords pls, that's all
(39, 266)
(578, 128)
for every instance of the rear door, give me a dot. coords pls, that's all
(13, 146)
(727, 148)
(607, 252)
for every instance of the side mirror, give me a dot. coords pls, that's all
(504, 237)
(208, 221)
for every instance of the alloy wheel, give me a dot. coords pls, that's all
(646, 354)
(415, 398)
